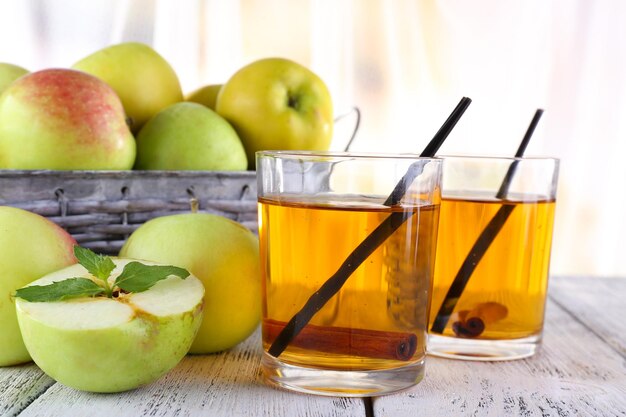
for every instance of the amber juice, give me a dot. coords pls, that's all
(304, 242)
(507, 290)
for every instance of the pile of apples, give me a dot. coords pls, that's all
(78, 340)
(122, 107)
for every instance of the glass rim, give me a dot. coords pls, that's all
(343, 155)
(500, 158)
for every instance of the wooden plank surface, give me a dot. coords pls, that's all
(19, 386)
(599, 303)
(575, 374)
(226, 384)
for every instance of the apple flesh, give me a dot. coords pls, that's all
(276, 103)
(30, 247)
(102, 344)
(143, 79)
(63, 119)
(9, 73)
(224, 255)
(189, 136)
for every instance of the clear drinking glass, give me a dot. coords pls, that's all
(493, 257)
(354, 269)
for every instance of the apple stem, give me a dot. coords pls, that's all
(195, 204)
(292, 101)
(108, 290)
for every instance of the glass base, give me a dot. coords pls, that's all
(482, 350)
(340, 383)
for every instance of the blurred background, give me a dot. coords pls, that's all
(405, 64)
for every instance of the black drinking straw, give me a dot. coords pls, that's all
(368, 245)
(504, 188)
(429, 151)
(485, 239)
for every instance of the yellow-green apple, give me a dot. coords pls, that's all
(30, 247)
(63, 119)
(206, 95)
(143, 79)
(224, 255)
(109, 342)
(276, 103)
(9, 73)
(189, 136)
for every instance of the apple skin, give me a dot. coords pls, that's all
(143, 79)
(30, 247)
(132, 350)
(9, 73)
(224, 255)
(275, 103)
(189, 136)
(63, 119)
(207, 95)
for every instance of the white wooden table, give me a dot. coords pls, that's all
(581, 371)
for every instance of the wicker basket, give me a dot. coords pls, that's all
(101, 208)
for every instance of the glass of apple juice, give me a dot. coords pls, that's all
(346, 271)
(493, 257)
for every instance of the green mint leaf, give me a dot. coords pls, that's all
(60, 290)
(98, 265)
(137, 277)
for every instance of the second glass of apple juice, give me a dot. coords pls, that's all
(346, 274)
(493, 257)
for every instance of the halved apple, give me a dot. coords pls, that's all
(102, 344)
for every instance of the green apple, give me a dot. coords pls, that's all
(276, 103)
(224, 255)
(189, 136)
(30, 247)
(63, 119)
(206, 95)
(143, 79)
(9, 73)
(102, 344)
